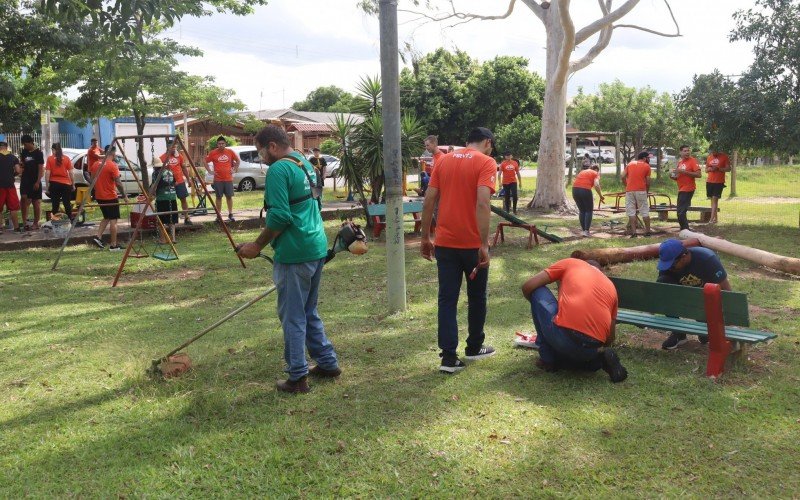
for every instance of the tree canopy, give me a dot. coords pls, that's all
(331, 99)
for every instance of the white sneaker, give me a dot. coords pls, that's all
(527, 340)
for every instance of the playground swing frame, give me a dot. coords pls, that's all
(119, 143)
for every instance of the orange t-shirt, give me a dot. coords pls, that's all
(437, 157)
(61, 174)
(719, 161)
(175, 164)
(94, 154)
(686, 183)
(223, 164)
(458, 176)
(585, 179)
(587, 299)
(510, 169)
(105, 188)
(636, 173)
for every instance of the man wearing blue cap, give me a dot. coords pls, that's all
(695, 267)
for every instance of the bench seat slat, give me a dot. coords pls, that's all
(689, 326)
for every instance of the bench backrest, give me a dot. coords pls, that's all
(409, 207)
(678, 301)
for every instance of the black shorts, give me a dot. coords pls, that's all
(714, 189)
(167, 206)
(110, 208)
(26, 189)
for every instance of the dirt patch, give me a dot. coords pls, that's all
(169, 275)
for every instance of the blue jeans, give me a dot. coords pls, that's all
(298, 291)
(453, 265)
(561, 347)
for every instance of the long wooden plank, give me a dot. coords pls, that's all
(690, 327)
(516, 220)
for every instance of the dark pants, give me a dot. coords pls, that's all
(684, 202)
(585, 201)
(561, 347)
(509, 195)
(61, 193)
(453, 265)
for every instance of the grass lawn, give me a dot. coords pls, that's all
(78, 416)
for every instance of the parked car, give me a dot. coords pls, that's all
(667, 157)
(252, 172)
(601, 156)
(332, 164)
(81, 176)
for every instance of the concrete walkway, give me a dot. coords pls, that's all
(81, 235)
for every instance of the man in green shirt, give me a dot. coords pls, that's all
(295, 231)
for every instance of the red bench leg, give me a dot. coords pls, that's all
(377, 226)
(718, 346)
(496, 235)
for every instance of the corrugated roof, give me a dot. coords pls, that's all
(310, 127)
(300, 116)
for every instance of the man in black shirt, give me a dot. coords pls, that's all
(695, 267)
(9, 167)
(30, 187)
(319, 164)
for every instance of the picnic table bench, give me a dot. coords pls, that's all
(378, 213)
(722, 316)
(660, 208)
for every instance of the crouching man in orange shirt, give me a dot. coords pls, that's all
(572, 331)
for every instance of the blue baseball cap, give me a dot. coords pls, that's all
(668, 252)
(3, 138)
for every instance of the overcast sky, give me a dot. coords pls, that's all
(290, 47)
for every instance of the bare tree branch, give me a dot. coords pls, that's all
(606, 20)
(567, 45)
(659, 33)
(602, 43)
(535, 8)
(462, 17)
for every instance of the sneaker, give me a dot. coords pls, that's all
(99, 243)
(115, 248)
(293, 386)
(484, 352)
(634, 235)
(451, 365)
(318, 371)
(612, 366)
(703, 339)
(674, 340)
(188, 222)
(230, 218)
(526, 340)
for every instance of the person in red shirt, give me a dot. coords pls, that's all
(106, 191)
(572, 331)
(95, 153)
(58, 177)
(717, 164)
(432, 147)
(686, 172)
(637, 186)
(509, 175)
(179, 166)
(586, 179)
(223, 163)
(462, 183)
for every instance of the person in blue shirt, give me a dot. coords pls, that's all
(695, 267)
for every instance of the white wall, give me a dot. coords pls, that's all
(159, 145)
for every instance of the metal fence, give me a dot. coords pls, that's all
(67, 140)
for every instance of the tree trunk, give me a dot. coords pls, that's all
(138, 116)
(788, 265)
(550, 192)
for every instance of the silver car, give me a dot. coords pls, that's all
(81, 176)
(332, 164)
(252, 173)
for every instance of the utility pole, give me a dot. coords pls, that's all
(392, 167)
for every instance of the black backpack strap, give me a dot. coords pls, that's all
(310, 184)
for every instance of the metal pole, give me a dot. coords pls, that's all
(617, 155)
(392, 160)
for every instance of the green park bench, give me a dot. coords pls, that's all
(720, 315)
(378, 213)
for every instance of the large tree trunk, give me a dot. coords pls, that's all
(550, 192)
(788, 265)
(139, 118)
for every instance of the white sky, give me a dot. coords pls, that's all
(290, 47)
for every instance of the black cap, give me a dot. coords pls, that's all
(94, 140)
(479, 134)
(506, 153)
(221, 138)
(642, 155)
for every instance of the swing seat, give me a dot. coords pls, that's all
(164, 255)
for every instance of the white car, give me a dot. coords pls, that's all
(81, 176)
(332, 164)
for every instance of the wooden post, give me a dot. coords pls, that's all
(733, 172)
(573, 165)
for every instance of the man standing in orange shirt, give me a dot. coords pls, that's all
(462, 183)
(686, 172)
(94, 153)
(571, 331)
(432, 147)
(107, 188)
(178, 165)
(223, 163)
(716, 165)
(637, 184)
(509, 171)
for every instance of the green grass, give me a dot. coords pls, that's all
(78, 417)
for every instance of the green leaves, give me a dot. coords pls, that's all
(330, 99)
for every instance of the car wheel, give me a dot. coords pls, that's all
(247, 184)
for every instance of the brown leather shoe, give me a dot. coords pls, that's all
(318, 371)
(293, 386)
